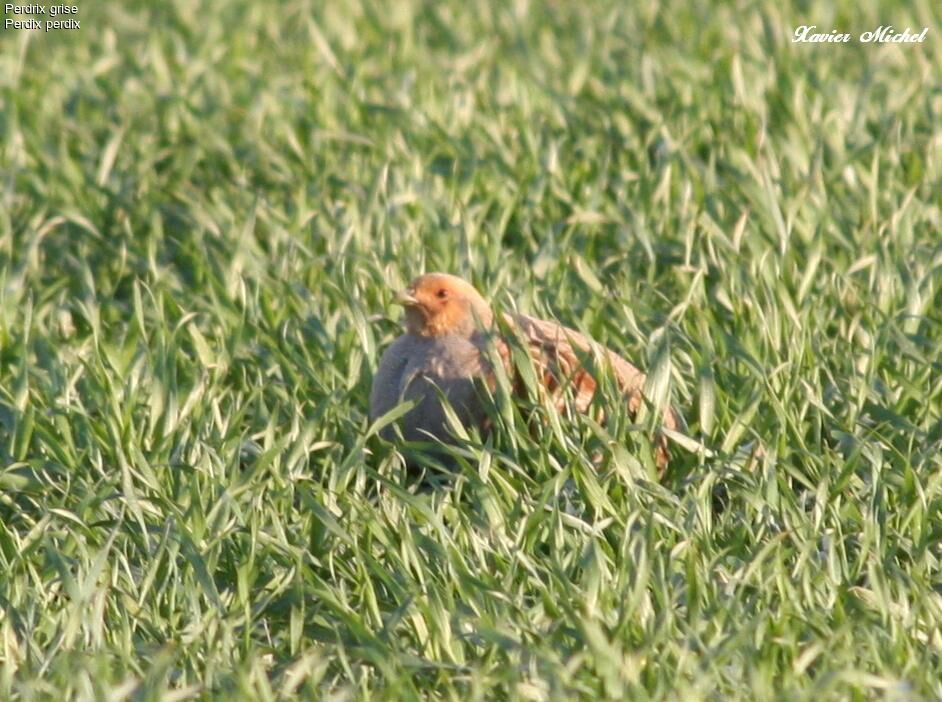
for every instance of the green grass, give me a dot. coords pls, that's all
(204, 210)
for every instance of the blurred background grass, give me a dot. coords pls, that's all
(205, 208)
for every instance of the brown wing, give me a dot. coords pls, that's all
(555, 350)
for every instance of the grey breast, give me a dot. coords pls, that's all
(428, 371)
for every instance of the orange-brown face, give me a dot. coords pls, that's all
(438, 304)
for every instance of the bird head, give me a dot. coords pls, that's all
(439, 304)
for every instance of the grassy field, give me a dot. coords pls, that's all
(205, 208)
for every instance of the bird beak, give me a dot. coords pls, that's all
(406, 299)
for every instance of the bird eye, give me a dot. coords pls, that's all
(442, 294)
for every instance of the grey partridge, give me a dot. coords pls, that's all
(443, 355)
